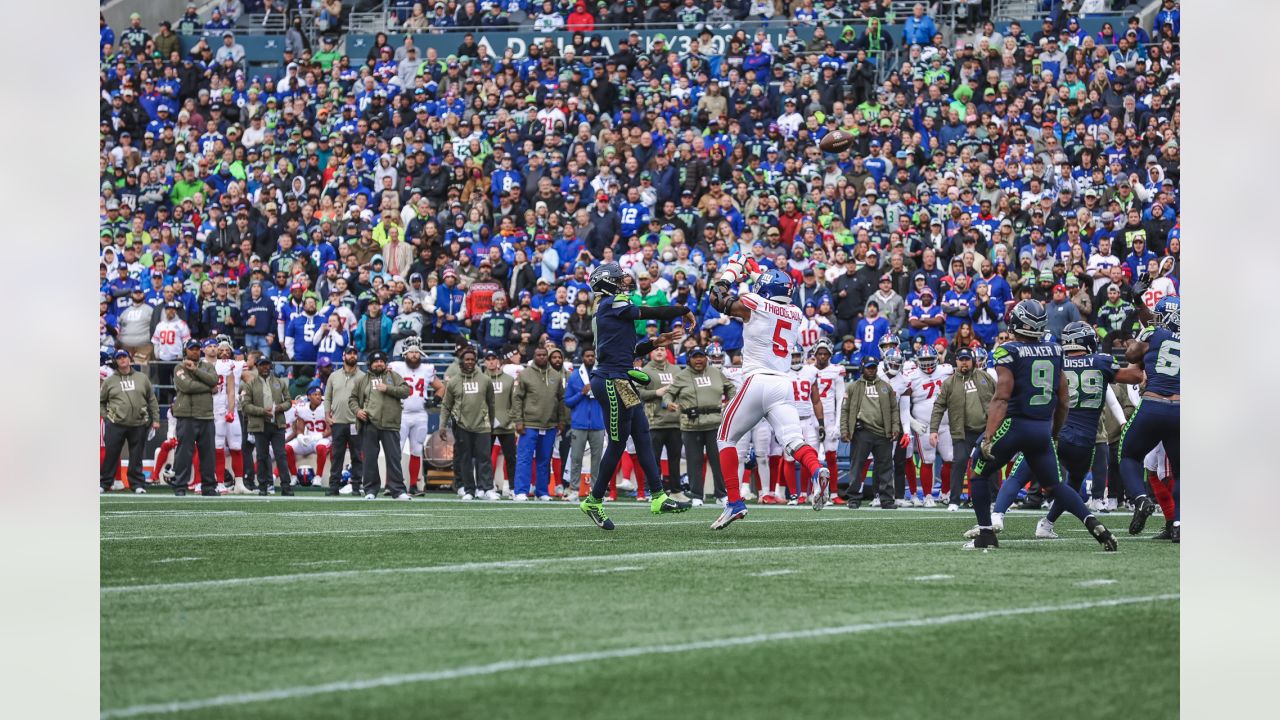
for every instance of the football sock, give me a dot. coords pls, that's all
(219, 463)
(808, 459)
(322, 454)
(981, 490)
(292, 459)
(237, 463)
(415, 469)
(789, 477)
(833, 467)
(911, 479)
(1162, 491)
(926, 478)
(775, 471)
(729, 466)
(945, 472)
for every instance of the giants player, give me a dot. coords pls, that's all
(924, 384)
(808, 407)
(894, 372)
(413, 423)
(228, 433)
(310, 430)
(829, 391)
(770, 331)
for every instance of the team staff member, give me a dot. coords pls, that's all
(503, 383)
(195, 381)
(468, 404)
(964, 397)
(537, 411)
(870, 422)
(664, 421)
(375, 400)
(127, 402)
(342, 420)
(697, 394)
(265, 402)
(586, 419)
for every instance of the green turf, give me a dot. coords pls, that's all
(295, 606)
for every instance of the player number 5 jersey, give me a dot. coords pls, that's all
(769, 335)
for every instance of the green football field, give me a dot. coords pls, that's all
(334, 608)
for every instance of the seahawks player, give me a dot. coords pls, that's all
(1026, 414)
(612, 385)
(1089, 377)
(1158, 415)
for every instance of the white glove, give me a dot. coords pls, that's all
(732, 272)
(918, 427)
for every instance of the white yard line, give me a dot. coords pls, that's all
(467, 671)
(772, 573)
(515, 563)
(116, 537)
(933, 578)
(1100, 582)
(621, 568)
(177, 559)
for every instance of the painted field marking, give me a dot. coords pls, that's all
(772, 573)
(933, 578)
(1100, 582)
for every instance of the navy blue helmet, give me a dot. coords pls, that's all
(1028, 319)
(774, 285)
(608, 278)
(1079, 335)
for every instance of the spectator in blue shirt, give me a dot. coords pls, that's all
(927, 319)
(918, 29)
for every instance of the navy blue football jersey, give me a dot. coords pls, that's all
(616, 337)
(1163, 361)
(1036, 368)
(1087, 379)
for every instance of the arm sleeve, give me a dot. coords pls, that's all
(644, 347)
(668, 312)
(940, 406)
(1113, 405)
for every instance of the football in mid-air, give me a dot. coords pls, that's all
(835, 141)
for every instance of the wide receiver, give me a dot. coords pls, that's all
(770, 331)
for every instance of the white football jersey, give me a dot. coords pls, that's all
(734, 374)
(225, 369)
(419, 380)
(769, 336)
(924, 388)
(803, 384)
(313, 419)
(830, 387)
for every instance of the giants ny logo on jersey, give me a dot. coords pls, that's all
(665, 378)
(470, 388)
(873, 393)
(128, 385)
(702, 381)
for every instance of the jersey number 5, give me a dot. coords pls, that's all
(780, 347)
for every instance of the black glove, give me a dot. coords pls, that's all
(822, 432)
(1143, 282)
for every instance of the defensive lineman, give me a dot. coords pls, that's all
(924, 384)
(770, 331)
(413, 421)
(1026, 414)
(1159, 413)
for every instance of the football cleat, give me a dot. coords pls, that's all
(793, 501)
(464, 496)
(837, 500)
(1175, 533)
(520, 498)
(984, 540)
(401, 496)
(137, 490)
(1102, 535)
(929, 501)
(732, 511)
(696, 502)
(997, 522)
(821, 488)
(661, 504)
(916, 501)
(345, 489)
(1166, 533)
(952, 507)
(1044, 530)
(1142, 509)
(370, 496)
(770, 499)
(594, 509)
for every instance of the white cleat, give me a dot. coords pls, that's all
(929, 501)
(544, 498)
(404, 496)
(239, 488)
(793, 501)
(572, 498)
(916, 501)
(997, 521)
(117, 485)
(1044, 530)
(492, 495)
(222, 489)
(465, 496)
(101, 491)
(345, 489)
(137, 491)
(696, 502)
(746, 492)
(371, 496)
(520, 498)
(953, 508)
(876, 502)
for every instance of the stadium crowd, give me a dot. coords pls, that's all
(359, 205)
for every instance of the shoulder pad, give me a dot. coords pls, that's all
(1145, 334)
(621, 299)
(1001, 355)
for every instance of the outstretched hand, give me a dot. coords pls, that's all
(668, 338)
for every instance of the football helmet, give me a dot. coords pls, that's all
(889, 340)
(892, 362)
(1168, 313)
(1079, 336)
(1028, 320)
(927, 359)
(774, 285)
(797, 359)
(607, 279)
